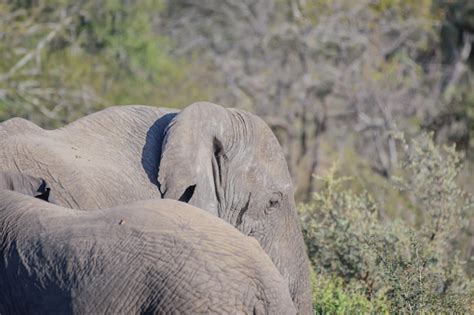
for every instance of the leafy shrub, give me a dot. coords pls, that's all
(335, 225)
(407, 262)
(332, 296)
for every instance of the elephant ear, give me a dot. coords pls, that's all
(25, 184)
(192, 154)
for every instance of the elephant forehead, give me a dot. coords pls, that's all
(270, 172)
(16, 126)
(269, 152)
(260, 184)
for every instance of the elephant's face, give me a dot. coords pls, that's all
(230, 163)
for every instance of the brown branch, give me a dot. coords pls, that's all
(39, 47)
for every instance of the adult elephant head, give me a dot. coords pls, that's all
(229, 162)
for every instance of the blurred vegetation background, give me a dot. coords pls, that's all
(357, 83)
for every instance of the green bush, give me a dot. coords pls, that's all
(332, 296)
(410, 264)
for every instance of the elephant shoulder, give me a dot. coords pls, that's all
(121, 116)
(17, 137)
(17, 125)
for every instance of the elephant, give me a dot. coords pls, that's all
(28, 185)
(157, 256)
(223, 160)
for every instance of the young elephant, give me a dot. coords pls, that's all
(148, 257)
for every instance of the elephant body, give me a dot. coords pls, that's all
(148, 257)
(99, 161)
(25, 184)
(225, 161)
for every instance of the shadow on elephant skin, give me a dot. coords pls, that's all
(55, 294)
(151, 153)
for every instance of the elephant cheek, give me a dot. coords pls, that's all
(286, 248)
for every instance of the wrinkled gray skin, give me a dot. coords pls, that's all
(149, 257)
(25, 184)
(225, 161)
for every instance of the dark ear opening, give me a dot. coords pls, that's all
(44, 195)
(219, 169)
(43, 191)
(188, 194)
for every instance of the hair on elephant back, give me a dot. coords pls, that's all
(229, 162)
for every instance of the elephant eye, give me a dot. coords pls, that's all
(274, 202)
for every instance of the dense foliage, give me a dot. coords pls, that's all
(408, 264)
(60, 60)
(331, 295)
